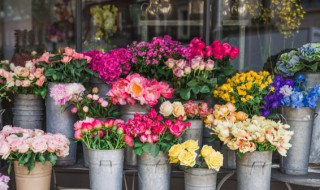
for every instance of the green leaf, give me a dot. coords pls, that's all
(168, 137)
(137, 151)
(138, 144)
(205, 89)
(42, 158)
(146, 147)
(196, 89)
(185, 94)
(154, 151)
(192, 83)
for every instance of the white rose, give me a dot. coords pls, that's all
(166, 108)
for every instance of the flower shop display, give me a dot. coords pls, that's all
(192, 112)
(109, 66)
(28, 84)
(198, 68)
(254, 140)
(245, 91)
(200, 174)
(136, 94)
(151, 137)
(148, 58)
(219, 114)
(4, 73)
(61, 120)
(105, 143)
(33, 153)
(4, 180)
(304, 59)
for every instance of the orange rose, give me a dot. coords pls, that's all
(241, 116)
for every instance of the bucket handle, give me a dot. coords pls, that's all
(316, 115)
(285, 120)
(2, 111)
(257, 162)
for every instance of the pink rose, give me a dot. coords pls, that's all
(89, 59)
(39, 72)
(202, 65)
(41, 81)
(24, 147)
(95, 97)
(78, 56)
(178, 72)
(66, 59)
(78, 135)
(39, 145)
(78, 125)
(208, 51)
(45, 57)
(215, 43)
(85, 109)
(234, 52)
(69, 51)
(176, 130)
(6, 130)
(151, 96)
(100, 100)
(226, 49)
(63, 152)
(187, 70)
(170, 63)
(52, 145)
(143, 138)
(4, 149)
(14, 142)
(181, 63)
(24, 72)
(195, 62)
(209, 65)
(74, 110)
(104, 104)
(25, 83)
(129, 140)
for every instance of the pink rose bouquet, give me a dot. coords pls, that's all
(100, 135)
(189, 110)
(29, 79)
(152, 133)
(4, 180)
(66, 67)
(136, 88)
(148, 58)
(256, 134)
(110, 66)
(30, 146)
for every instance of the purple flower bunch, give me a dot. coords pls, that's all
(280, 88)
(4, 180)
(110, 66)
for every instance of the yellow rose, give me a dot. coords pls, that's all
(206, 151)
(166, 108)
(241, 116)
(214, 161)
(178, 109)
(231, 107)
(187, 158)
(174, 152)
(191, 145)
(209, 119)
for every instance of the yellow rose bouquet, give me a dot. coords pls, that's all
(245, 91)
(185, 155)
(256, 134)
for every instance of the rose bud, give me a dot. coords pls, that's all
(85, 109)
(95, 90)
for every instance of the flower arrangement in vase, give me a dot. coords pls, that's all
(66, 67)
(198, 69)
(83, 104)
(136, 88)
(4, 74)
(245, 91)
(28, 146)
(151, 133)
(110, 66)
(29, 79)
(304, 59)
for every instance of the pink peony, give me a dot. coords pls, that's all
(74, 110)
(129, 140)
(59, 94)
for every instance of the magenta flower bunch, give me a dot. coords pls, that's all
(110, 66)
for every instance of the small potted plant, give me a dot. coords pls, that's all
(33, 153)
(202, 172)
(105, 143)
(151, 137)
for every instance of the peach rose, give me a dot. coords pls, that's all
(69, 51)
(66, 59)
(241, 116)
(178, 109)
(41, 80)
(25, 83)
(39, 72)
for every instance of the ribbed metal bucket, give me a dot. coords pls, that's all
(301, 122)
(229, 157)
(195, 131)
(154, 173)
(254, 171)
(38, 179)
(127, 112)
(106, 169)
(58, 121)
(200, 179)
(312, 79)
(28, 111)
(103, 87)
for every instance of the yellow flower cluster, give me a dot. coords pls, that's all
(185, 154)
(244, 89)
(223, 113)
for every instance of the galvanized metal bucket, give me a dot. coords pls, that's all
(103, 87)
(127, 112)
(194, 132)
(106, 169)
(28, 111)
(301, 122)
(312, 79)
(229, 157)
(154, 173)
(85, 155)
(58, 121)
(254, 170)
(200, 179)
